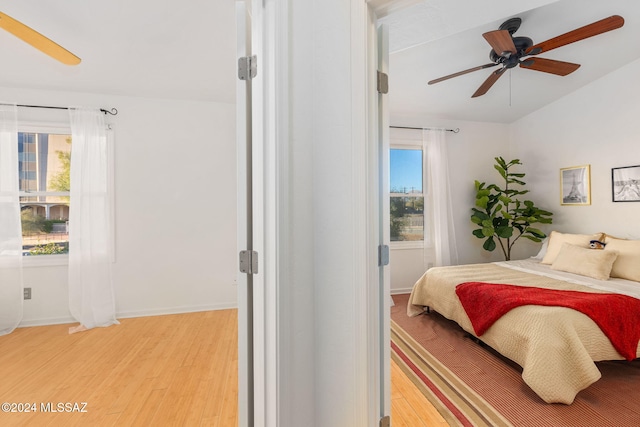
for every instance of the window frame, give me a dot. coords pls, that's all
(409, 144)
(48, 128)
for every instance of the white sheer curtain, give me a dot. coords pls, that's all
(91, 293)
(10, 226)
(440, 209)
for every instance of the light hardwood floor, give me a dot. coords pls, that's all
(150, 371)
(409, 407)
(174, 370)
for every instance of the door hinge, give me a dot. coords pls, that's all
(247, 67)
(383, 255)
(383, 83)
(385, 421)
(249, 262)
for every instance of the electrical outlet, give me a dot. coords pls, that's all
(27, 293)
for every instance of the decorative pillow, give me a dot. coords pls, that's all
(556, 240)
(627, 265)
(585, 261)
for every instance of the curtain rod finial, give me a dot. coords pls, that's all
(113, 111)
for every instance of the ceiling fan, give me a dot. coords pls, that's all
(37, 40)
(508, 51)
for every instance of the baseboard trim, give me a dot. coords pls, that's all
(174, 310)
(401, 291)
(130, 314)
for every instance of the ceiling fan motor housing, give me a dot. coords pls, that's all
(521, 43)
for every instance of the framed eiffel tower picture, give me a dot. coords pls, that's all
(575, 185)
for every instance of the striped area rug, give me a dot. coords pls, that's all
(472, 385)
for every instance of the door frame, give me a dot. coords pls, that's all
(273, 292)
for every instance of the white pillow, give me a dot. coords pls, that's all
(556, 240)
(543, 249)
(627, 265)
(584, 261)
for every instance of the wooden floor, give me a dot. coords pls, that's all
(174, 370)
(409, 407)
(150, 371)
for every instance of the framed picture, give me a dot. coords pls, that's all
(575, 185)
(625, 184)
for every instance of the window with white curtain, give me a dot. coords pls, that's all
(407, 201)
(44, 156)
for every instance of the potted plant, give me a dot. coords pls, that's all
(502, 216)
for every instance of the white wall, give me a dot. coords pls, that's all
(596, 125)
(471, 157)
(175, 206)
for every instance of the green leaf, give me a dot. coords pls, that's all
(504, 232)
(476, 220)
(489, 244)
(487, 231)
(535, 239)
(482, 202)
(501, 171)
(479, 214)
(505, 200)
(478, 233)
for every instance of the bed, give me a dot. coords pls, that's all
(555, 346)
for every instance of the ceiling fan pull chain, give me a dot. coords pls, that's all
(509, 88)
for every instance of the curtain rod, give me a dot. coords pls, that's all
(113, 111)
(456, 130)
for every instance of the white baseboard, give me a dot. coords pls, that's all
(130, 314)
(46, 321)
(174, 310)
(401, 291)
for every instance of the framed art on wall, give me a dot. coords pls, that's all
(575, 185)
(625, 184)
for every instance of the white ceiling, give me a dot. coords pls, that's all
(149, 48)
(186, 50)
(433, 39)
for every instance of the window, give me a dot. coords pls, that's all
(406, 202)
(44, 161)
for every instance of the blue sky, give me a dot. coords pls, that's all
(406, 169)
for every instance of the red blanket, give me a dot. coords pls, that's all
(618, 316)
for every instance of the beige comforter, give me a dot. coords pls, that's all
(555, 346)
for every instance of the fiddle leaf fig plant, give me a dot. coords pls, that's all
(500, 214)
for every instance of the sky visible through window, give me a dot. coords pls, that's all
(405, 171)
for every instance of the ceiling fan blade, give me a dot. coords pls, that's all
(459, 73)
(484, 87)
(598, 27)
(552, 66)
(37, 40)
(500, 41)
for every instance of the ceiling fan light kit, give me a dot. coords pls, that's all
(509, 51)
(37, 40)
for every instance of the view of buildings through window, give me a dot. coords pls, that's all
(44, 162)
(407, 197)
